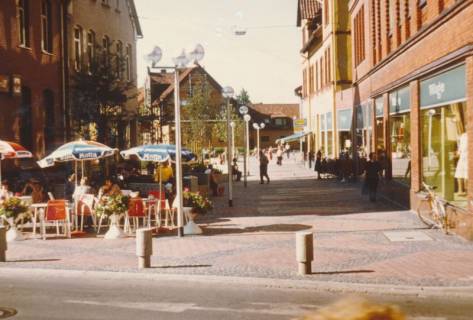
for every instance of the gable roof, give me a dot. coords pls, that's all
(307, 9)
(134, 16)
(277, 110)
(168, 79)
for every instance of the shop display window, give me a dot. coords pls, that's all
(444, 151)
(400, 130)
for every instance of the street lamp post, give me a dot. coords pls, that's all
(180, 62)
(244, 111)
(258, 127)
(228, 93)
(232, 125)
(247, 119)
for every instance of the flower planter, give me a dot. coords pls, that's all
(114, 231)
(191, 228)
(13, 234)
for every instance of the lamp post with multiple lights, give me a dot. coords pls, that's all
(228, 93)
(180, 62)
(258, 127)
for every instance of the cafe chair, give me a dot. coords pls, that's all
(136, 210)
(57, 212)
(161, 207)
(85, 206)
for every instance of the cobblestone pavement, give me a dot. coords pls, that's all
(256, 238)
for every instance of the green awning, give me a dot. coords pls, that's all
(293, 137)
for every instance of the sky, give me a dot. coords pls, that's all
(265, 61)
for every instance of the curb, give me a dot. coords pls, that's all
(302, 284)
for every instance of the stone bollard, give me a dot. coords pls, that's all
(3, 244)
(144, 247)
(304, 252)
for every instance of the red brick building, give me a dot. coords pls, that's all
(278, 120)
(413, 93)
(31, 73)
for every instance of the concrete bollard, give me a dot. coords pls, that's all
(144, 247)
(304, 252)
(3, 244)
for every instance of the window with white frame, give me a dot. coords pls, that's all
(24, 23)
(118, 59)
(106, 50)
(77, 48)
(46, 34)
(90, 49)
(129, 55)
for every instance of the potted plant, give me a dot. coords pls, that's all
(13, 210)
(194, 204)
(113, 208)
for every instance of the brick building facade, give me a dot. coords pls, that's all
(31, 73)
(413, 93)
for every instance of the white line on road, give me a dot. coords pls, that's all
(276, 309)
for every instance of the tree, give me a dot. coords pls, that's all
(243, 98)
(98, 96)
(220, 127)
(200, 114)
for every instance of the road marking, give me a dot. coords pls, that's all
(276, 309)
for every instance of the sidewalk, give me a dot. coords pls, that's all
(255, 238)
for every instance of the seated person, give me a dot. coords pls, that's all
(34, 189)
(110, 188)
(164, 173)
(212, 180)
(82, 188)
(5, 193)
(235, 170)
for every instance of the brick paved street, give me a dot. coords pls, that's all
(255, 238)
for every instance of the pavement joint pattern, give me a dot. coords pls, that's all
(255, 238)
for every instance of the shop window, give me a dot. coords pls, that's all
(400, 127)
(24, 23)
(444, 151)
(46, 33)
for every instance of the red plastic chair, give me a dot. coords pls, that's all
(160, 205)
(57, 211)
(136, 210)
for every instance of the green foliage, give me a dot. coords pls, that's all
(197, 201)
(13, 208)
(199, 110)
(98, 95)
(243, 98)
(109, 205)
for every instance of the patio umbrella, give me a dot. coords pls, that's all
(157, 153)
(77, 151)
(12, 150)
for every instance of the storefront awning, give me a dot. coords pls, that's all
(291, 138)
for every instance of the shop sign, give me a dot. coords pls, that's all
(16, 87)
(399, 100)
(344, 119)
(4, 83)
(379, 105)
(443, 88)
(299, 125)
(329, 121)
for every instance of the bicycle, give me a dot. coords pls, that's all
(437, 216)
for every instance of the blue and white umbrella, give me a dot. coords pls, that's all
(80, 150)
(157, 153)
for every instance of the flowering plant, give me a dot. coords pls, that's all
(14, 208)
(198, 202)
(110, 205)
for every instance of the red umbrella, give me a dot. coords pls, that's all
(12, 150)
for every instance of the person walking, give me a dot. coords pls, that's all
(318, 164)
(263, 167)
(287, 148)
(372, 171)
(279, 154)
